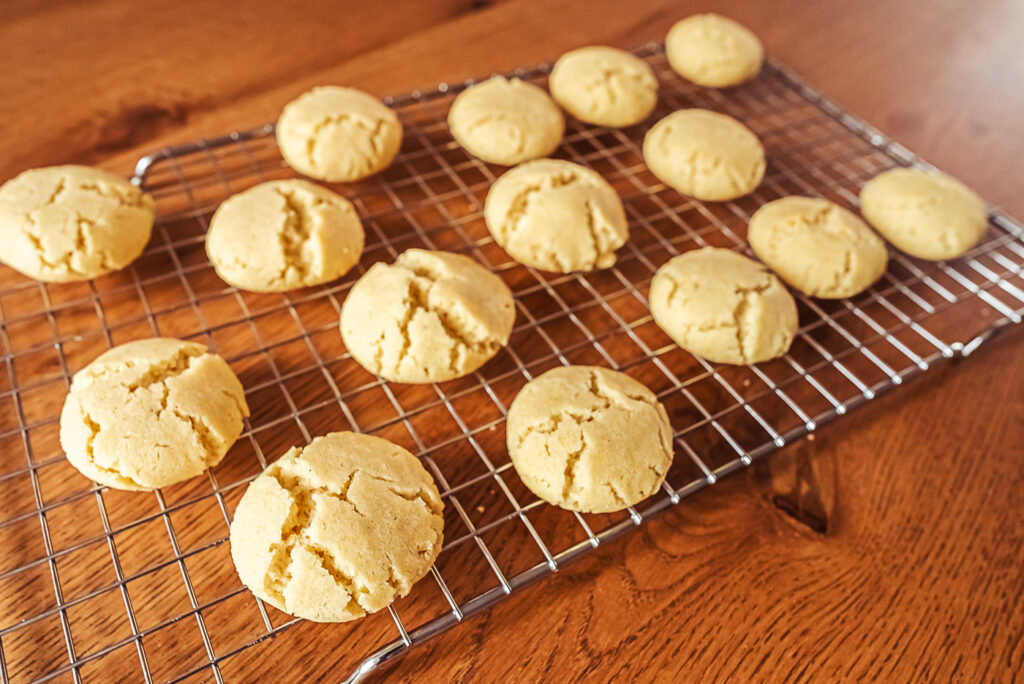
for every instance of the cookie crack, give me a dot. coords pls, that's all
(520, 204)
(375, 130)
(295, 534)
(619, 500)
(571, 462)
(293, 237)
(210, 444)
(90, 455)
(417, 299)
(746, 295)
(603, 82)
(132, 200)
(158, 374)
(81, 242)
(161, 371)
(596, 232)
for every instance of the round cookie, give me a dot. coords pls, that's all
(604, 86)
(557, 216)
(66, 223)
(338, 528)
(283, 235)
(925, 214)
(506, 121)
(817, 246)
(150, 413)
(724, 307)
(338, 134)
(713, 51)
(704, 154)
(589, 439)
(427, 317)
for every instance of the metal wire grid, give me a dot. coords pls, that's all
(97, 580)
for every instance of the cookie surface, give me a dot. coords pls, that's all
(427, 317)
(150, 413)
(67, 223)
(925, 214)
(338, 528)
(713, 51)
(724, 307)
(818, 247)
(704, 154)
(557, 216)
(589, 439)
(283, 235)
(506, 121)
(604, 86)
(338, 134)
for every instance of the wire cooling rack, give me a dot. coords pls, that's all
(101, 584)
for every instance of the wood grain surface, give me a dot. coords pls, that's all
(888, 548)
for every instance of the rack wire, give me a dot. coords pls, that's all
(95, 581)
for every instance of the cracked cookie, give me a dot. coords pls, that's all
(713, 51)
(818, 247)
(283, 235)
(928, 215)
(604, 86)
(589, 439)
(557, 216)
(505, 121)
(427, 317)
(150, 413)
(67, 223)
(338, 134)
(338, 528)
(723, 307)
(705, 154)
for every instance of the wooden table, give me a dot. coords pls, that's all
(888, 548)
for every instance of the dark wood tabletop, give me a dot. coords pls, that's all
(888, 547)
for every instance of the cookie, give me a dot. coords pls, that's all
(589, 439)
(557, 216)
(427, 317)
(817, 246)
(724, 307)
(338, 134)
(150, 413)
(283, 235)
(506, 121)
(713, 51)
(65, 223)
(338, 528)
(604, 86)
(704, 154)
(925, 214)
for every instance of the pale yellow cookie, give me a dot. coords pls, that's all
(66, 223)
(150, 413)
(556, 215)
(427, 317)
(337, 529)
(925, 214)
(604, 86)
(713, 51)
(283, 235)
(338, 134)
(506, 121)
(817, 246)
(704, 154)
(724, 307)
(589, 439)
